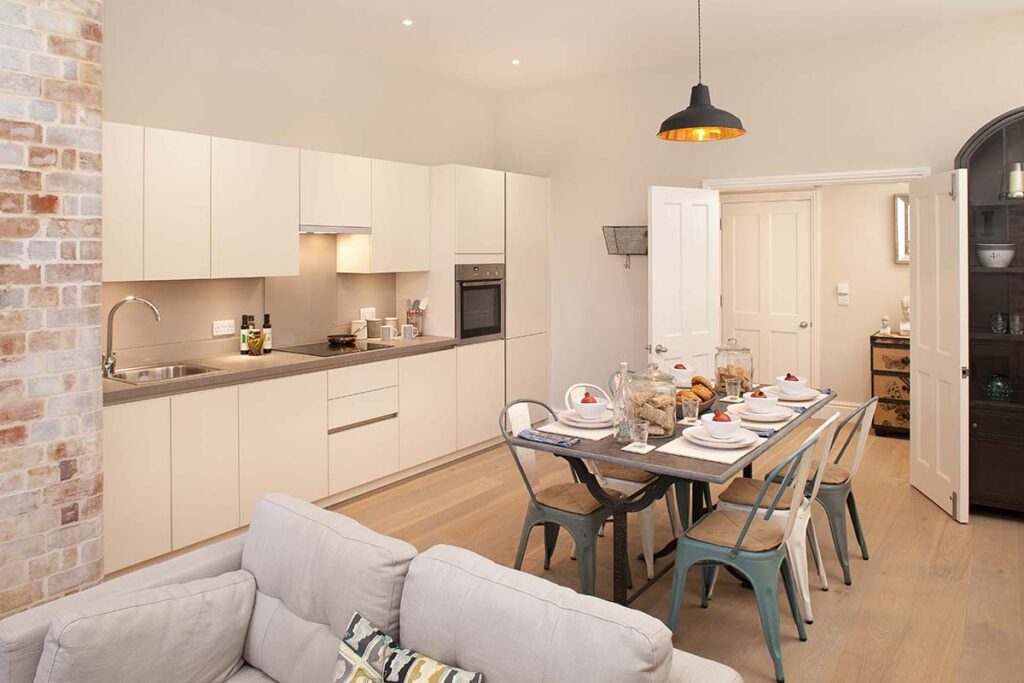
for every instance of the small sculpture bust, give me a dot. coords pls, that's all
(905, 316)
(886, 329)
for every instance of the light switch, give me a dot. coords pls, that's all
(843, 293)
(368, 313)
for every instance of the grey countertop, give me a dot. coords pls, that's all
(239, 369)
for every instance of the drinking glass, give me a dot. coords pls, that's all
(732, 388)
(999, 323)
(639, 429)
(1017, 323)
(690, 408)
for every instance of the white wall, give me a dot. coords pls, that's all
(901, 100)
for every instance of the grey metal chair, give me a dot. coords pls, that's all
(569, 505)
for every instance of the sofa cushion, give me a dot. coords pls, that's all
(408, 666)
(314, 569)
(362, 652)
(464, 609)
(687, 668)
(247, 674)
(182, 632)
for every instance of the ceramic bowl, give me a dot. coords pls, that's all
(683, 377)
(720, 430)
(768, 404)
(592, 411)
(996, 255)
(791, 387)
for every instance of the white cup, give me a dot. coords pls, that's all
(387, 333)
(409, 332)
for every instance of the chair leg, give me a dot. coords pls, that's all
(812, 540)
(836, 511)
(791, 596)
(851, 504)
(708, 575)
(646, 517)
(766, 590)
(550, 539)
(678, 583)
(673, 514)
(587, 564)
(796, 548)
(524, 538)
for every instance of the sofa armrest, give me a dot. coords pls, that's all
(22, 635)
(688, 668)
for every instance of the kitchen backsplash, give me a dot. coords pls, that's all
(303, 308)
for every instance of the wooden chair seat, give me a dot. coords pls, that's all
(835, 474)
(572, 497)
(744, 491)
(621, 473)
(722, 528)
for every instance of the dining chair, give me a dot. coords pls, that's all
(568, 505)
(754, 546)
(742, 492)
(629, 480)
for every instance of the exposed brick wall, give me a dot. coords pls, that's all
(51, 480)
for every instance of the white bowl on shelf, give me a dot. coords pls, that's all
(993, 255)
(720, 430)
(765, 404)
(791, 386)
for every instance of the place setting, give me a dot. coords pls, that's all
(720, 437)
(588, 417)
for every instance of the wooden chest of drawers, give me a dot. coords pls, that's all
(890, 382)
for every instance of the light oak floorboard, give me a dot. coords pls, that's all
(937, 601)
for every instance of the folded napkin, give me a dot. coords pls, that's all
(683, 447)
(550, 439)
(578, 432)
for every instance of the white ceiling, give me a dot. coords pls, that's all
(474, 41)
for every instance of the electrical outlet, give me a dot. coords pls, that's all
(367, 313)
(222, 328)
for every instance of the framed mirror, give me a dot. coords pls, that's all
(901, 208)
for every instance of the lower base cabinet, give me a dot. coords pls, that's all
(481, 391)
(527, 373)
(360, 455)
(426, 407)
(282, 439)
(137, 482)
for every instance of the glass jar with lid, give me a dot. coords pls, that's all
(733, 361)
(653, 397)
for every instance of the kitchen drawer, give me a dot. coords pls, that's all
(890, 359)
(362, 454)
(895, 387)
(351, 410)
(999, 423)
(892, 414)
(358, 379)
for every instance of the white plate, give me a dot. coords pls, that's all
(779, 414)
(699, 436)
(702, 434)
(574, 419)
(805, 395)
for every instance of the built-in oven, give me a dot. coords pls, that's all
(480, 301)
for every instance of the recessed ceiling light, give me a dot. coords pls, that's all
(515, 62)
(407, 22)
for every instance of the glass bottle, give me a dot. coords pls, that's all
(621, 407)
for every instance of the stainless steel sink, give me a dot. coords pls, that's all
(160, 373)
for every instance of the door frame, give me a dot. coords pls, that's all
(814, 196)
(808, 182)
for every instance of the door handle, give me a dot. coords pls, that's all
(660, 349)
(804, 324)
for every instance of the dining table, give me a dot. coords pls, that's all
(678, 471)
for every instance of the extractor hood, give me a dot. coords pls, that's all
(334, 230)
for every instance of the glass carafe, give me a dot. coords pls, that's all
(653, 395)
(734, 361)
(621, 405)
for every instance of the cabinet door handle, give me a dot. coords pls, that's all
(974, 425)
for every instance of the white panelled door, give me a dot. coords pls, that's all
(683, 277)
(938, 340)
(766, 282)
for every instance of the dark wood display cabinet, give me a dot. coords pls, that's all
(996, 417)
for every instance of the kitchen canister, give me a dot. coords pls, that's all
(373, 326)
(359, 329)
(391, 322)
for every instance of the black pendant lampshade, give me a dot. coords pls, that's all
(701, 121)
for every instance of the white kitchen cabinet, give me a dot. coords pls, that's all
(177, 205)
(254, 210)
(481, 391)
(399, 239)
(335, 190)
(204, 465)
(123, 154)
(527, 277)
(479, 211)
(282, 426)
(136, 482)
(362, 454)
(527, 371)
(426, 407)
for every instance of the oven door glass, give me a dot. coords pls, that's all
(480, 308)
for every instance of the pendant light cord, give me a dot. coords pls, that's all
(700, 68)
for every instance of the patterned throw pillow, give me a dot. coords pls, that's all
(362, 653)
(406, 666)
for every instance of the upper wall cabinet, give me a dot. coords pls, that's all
(479, 211)
(335, 191)
(177, 206)
(399, 239)
(122, 201)
(526, 258)
(254, 210)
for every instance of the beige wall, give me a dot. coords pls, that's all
(908, 99)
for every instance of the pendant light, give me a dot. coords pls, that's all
(701, 121)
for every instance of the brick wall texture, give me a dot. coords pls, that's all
(51, 481)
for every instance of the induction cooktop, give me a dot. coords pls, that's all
(325, 350)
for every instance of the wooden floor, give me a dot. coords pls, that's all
(938, 601)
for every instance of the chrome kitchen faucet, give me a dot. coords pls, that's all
(110, 358)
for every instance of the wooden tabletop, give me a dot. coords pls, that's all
(682, 467)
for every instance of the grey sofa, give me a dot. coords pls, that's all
(314, 568)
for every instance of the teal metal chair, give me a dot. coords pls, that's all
(569, 505)
(753, 545)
